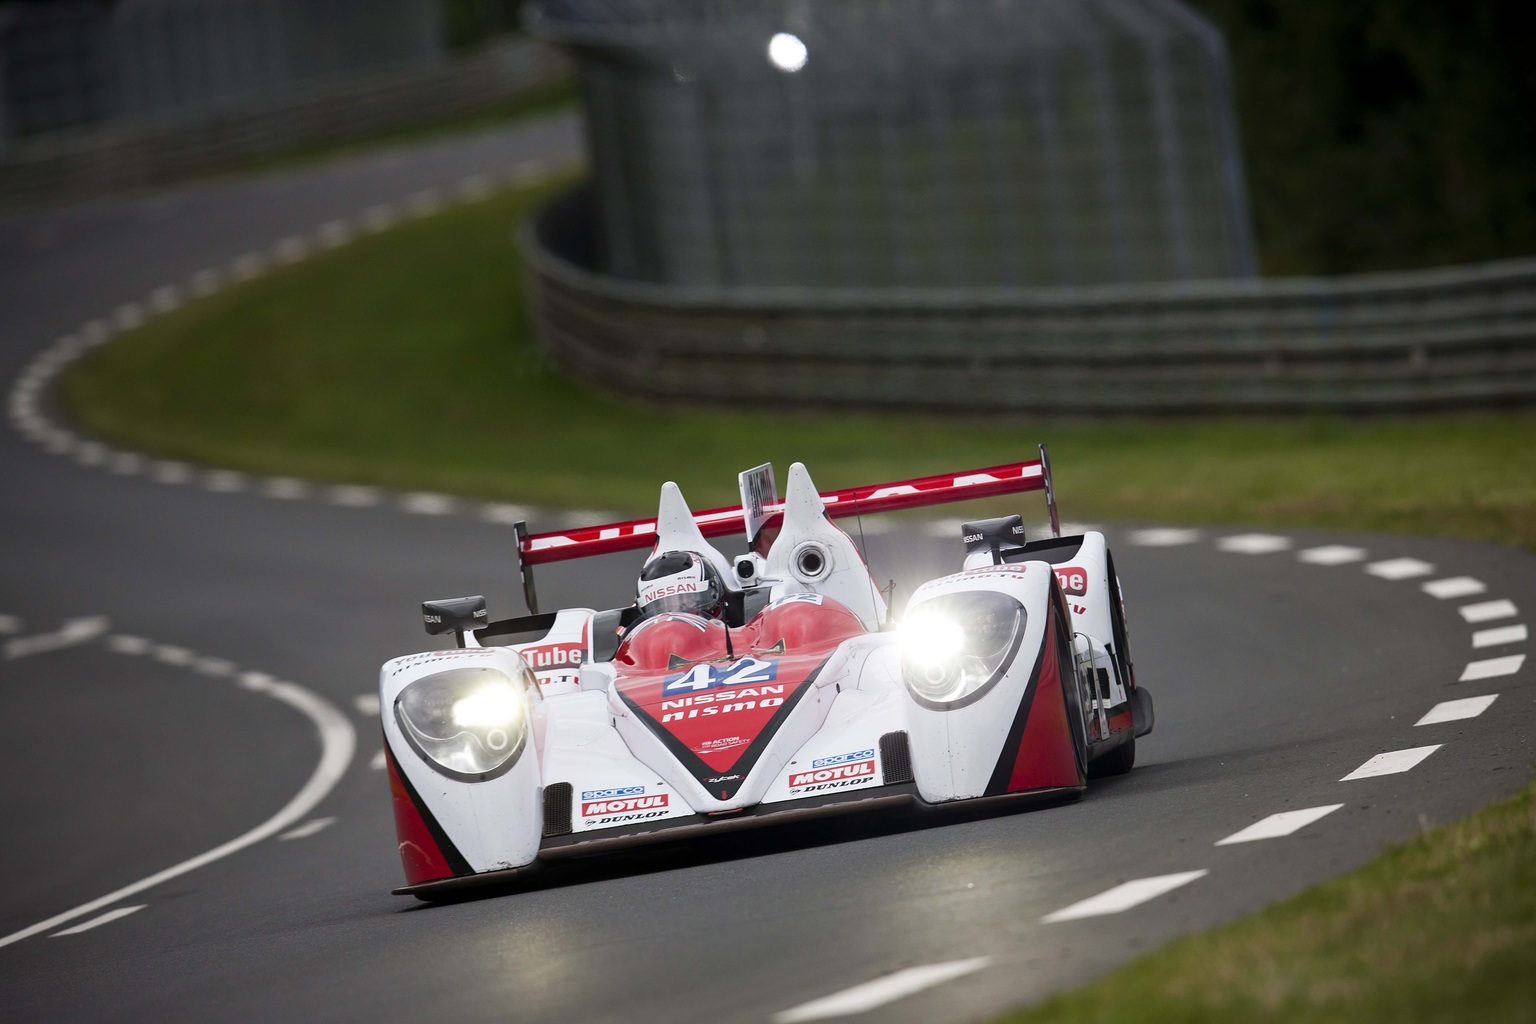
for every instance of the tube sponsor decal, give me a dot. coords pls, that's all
(1074, 581)
(543, 657)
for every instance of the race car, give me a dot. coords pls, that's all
(764, 688)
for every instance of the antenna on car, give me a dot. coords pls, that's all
(874, 591)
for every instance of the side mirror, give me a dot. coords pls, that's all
(454, 615)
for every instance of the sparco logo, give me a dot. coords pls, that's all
(835, 773)
(623, 805)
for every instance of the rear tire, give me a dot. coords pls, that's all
(1116, 762)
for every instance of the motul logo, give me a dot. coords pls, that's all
(623, 805)
(835, 773)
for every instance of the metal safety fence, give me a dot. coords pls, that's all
(1455, 337)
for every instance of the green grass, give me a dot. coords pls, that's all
(405, 360)
(1442, 928)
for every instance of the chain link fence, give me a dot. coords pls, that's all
(908, 143)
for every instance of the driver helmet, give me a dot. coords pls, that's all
(681, 581)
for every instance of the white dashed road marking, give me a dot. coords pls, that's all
(1488, 611)
(1163, 537)
(880, 991)
(1400, 568)
(97, 922)
(121, 644)
(366, 703)
(308, 829)
(1332, 554)
(1456, 710)
(377, 764)
(1491, 668)
(71, 633)
(1456, 586)
(424, 504)
(505, 515)
(9, 624)
(286, 488)
(1253, 543)
(352, 496)
(1277, 825)
(1499, 635)
(1124, 896)
(1393, 762)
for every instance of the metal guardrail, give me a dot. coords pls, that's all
(1446, 338)
(64, 166)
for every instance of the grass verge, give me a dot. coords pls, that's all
(1442, 928)
(405, 360)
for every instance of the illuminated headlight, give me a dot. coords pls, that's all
(469, 723)
(956, 646)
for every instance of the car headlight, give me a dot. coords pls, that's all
(468, 723)
(956, 646)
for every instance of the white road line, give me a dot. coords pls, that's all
(580, 517)
(1454, 586)
(337, 743)
(474, 188)
(71, 633)
(880, 991)
(205, 282)
(1277, 825)
(1393, 762)
(97, 922)
(1499, 635)
(1487, 611)
(378, 218)
(247, 266)
(1456, 710)
(505, 515)
(1400, 568)
(366, 704)
(424, 203)
(426, 504)
(165, 299)
(128, 316)
(377, 764)
(292, 249)
(285, 488)
(1332, 554)
(1124, 896)
(353, 496)
(171, 473)
(121, 644)
(126, 463)
(307, 829)
(172, 655)
(1253, 543)
(333, 234)
(1163, 537)
(224, 481)
(1491, 668)
(217, 668)
(9, 624)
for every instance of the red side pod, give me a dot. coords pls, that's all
(1046, 757)
(419, 853)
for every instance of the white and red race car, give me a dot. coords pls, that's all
(579, 731)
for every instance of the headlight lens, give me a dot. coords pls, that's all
(469, 723)
(955, 646)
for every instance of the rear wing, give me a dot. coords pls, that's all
(635, 534)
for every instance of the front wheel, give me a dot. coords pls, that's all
(1116, 762)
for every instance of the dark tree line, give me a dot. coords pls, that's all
(1385, 134)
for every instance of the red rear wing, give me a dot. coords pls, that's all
(1014, 478)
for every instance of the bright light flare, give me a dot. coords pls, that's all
(497, 704)
(787, 52)
(931, 639)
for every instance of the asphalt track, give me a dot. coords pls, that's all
(181, 658)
